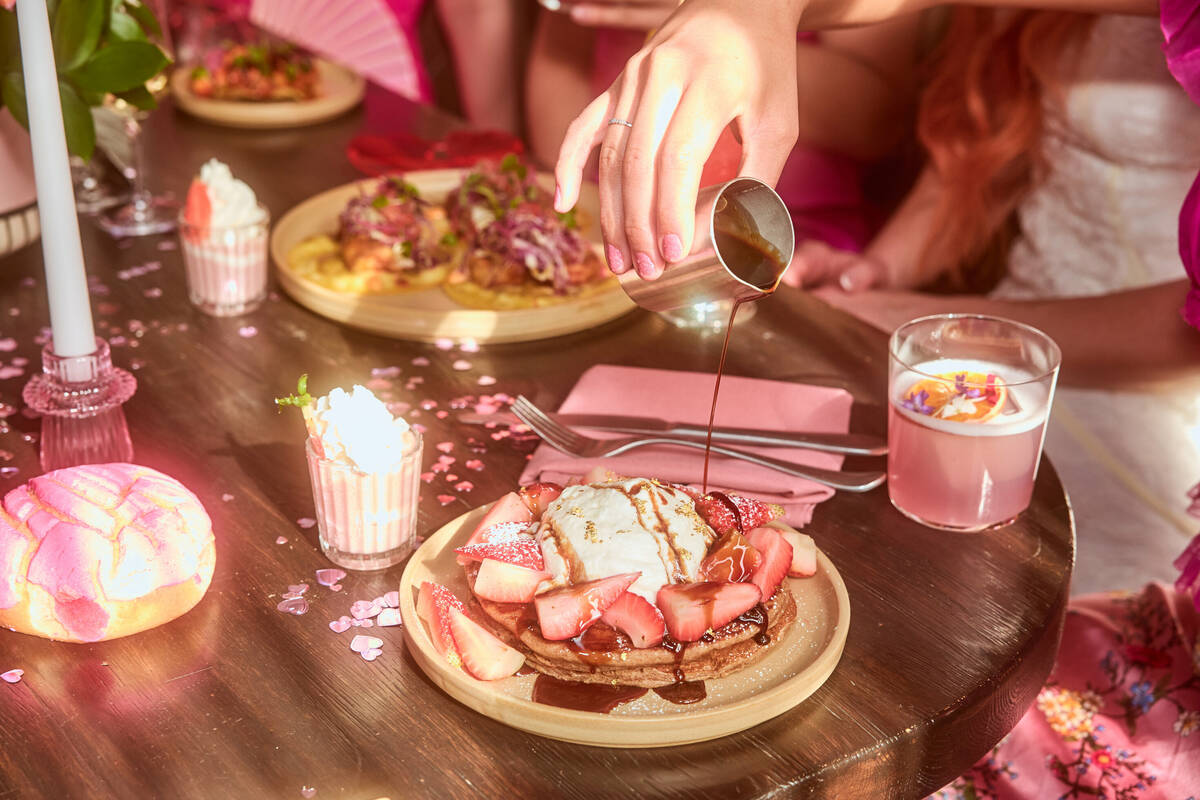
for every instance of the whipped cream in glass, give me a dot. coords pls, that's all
(232, 201)
(365, 467)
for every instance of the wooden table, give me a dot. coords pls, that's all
(950, 639)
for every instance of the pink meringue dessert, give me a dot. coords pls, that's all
(365, 468)
(223, 229)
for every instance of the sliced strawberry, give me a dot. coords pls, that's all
(804, 554)
(485, 656)
(522, 550)
(197, 210)
(510, 508)
(504, 582)
(434, 604)
(730, 512)
(690, 609)
(539, 495)
(731, 559)
(567, 612)
(777, 559)
(638, 617)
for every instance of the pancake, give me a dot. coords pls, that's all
(319, 259)
(531, 295)
(604, 655)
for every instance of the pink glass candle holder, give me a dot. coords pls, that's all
(102, 438)
(366, 520)
(80, 386)
(226, 265)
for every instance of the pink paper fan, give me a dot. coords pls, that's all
(361, 34)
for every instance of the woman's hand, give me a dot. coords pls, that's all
(816, 264)
(712, 63)
(641, 15)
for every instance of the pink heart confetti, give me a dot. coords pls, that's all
(487, 380)
(10, 372)
(328, 577)
(474, 464)
(385, 372)
(20, 361)
(12, 676)
(445, 459)
(420, 361)
(444, 344)
(7, 345)
(450, 477)
(427, 477)
(225, 498)
(439, 467)
(362, 643)
(362, 623)
(337, 587)
(340, 625)
(168, 244)
(296, 590)
(428, 405)
(372, 654)
(388, 617)
(153, 292)
(419, 428)
(463, 486)
(391, 599)
(361, 609)
(469, 346)
(247, 331)
(306, 522)
(442, 414)
(445, 447)
(293, 605)
(461, 365)
(308, 791)
(446, 499)
(378, 384)
(280, 540)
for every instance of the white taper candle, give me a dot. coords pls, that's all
(66, 280)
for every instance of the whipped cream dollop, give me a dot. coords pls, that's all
(233, 202)
(355, 428)
(633, 525)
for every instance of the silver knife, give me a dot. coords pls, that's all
(856, 444)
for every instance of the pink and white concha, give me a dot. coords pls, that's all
(101, 551)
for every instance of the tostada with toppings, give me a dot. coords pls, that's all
(389, 239)
(624, 581)
(262, 72)
(518, 251)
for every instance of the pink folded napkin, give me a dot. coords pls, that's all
(685, 397)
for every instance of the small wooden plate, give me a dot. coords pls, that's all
(430, 314)
(792, 671)
(341, 90)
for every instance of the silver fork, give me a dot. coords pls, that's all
(574, 443)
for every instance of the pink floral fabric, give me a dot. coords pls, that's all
(1119, 718)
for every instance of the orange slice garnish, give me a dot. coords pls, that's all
(958, 396)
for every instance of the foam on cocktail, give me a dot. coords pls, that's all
(1023, 409)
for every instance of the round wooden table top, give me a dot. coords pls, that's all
(951, 635)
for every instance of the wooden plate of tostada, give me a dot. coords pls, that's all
(788, 674)
(430, 314)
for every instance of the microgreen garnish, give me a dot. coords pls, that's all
(449, 239)
(301, 399)
(406, 249)
(510, 163)
(379, 202)
(405, 188)
(568, 219)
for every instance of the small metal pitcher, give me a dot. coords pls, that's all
(743, 245)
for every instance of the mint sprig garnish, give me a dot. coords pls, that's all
(301, 399)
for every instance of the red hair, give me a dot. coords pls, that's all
(981, 122)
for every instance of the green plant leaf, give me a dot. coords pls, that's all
(13, 92)
(10, 44)
(78, 25)
(145, 17)
(138, 97)
(122, 27)
(77, 122)
(119, 67)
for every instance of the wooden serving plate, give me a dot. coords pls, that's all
(341, 90)
(430, 314)
(792, 671)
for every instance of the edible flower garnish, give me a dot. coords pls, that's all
(958, 404)
(960, 386)
(919, 403)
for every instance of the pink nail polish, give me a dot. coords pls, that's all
(615, 262)
(645, 265)
(672, 247)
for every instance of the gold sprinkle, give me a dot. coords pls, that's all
(624, 656)
(575, 511)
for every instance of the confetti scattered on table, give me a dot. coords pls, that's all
(328, 577)
(8, 344)
(461, 365)
(247, 331)
(296, 590)
(12, 676)
(446, 499)
(388, 617)
(280, 540)
(463, 486)
(340, 625)
(445, 447)
(363, 609)
(226, 497)
(444, 344)
(474, 464)
(306, 522)
(308, 791)
(293, 605)
(486, 380)
(420, 361)
(361, 643)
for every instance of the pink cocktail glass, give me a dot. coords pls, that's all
(968, 401)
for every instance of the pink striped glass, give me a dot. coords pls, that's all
(226, 266)
(366, 520)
